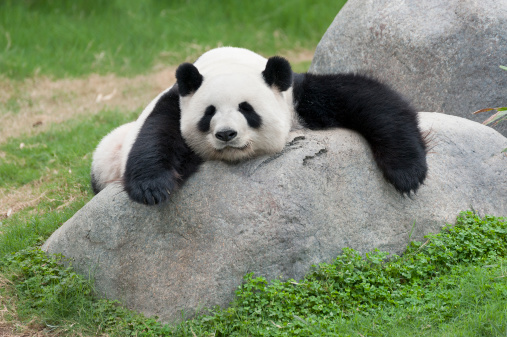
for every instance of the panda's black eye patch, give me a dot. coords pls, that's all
(204, 123)
(253, 119)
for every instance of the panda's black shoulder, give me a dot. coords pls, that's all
(168, 104)
(346, 100)
(159, 160)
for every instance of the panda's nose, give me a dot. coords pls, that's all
(226, 135)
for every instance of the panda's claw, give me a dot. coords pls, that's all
(407, 180)
(153, 199)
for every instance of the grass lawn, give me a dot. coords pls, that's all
(75, 38)
(74, 70)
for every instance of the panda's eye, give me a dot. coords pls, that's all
(210, 111)
(245, 107)
(204, 123)
(253, 119)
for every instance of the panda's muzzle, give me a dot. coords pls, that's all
(226, 135)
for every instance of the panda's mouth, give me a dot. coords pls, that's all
(235, 148)
(231, 152)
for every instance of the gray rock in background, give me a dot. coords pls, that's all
(442, 55)
(276, 216)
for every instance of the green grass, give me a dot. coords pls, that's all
(74, 38)
(455, 284)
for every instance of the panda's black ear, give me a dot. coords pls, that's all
(278, 73)
(189, 79)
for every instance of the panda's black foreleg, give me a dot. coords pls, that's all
(377, 112)
(159, 160)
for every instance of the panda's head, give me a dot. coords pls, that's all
(233, 110)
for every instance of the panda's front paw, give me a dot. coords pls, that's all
(151, 191)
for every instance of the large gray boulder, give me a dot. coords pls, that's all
(443, 55)
(276, 216)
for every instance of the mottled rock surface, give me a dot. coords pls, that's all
(276, 216)
(443, 55)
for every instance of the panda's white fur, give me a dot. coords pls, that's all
(108, 159)
(233, 104)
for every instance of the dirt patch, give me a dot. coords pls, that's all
(298, 56)
(16, 200)
(15, 329)
(30, 106)
(7, 330)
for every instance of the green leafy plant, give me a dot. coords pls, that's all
(500, 115)
(454, 281)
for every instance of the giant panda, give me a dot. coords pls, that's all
(233, 104)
